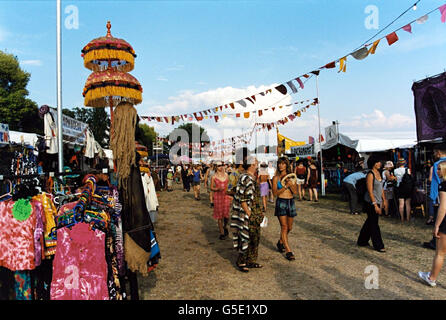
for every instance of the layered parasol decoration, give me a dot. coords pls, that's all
(101, 86)
(110, 59)
(107, 51)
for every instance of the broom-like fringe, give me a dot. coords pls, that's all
(106, 54)
(98, 97)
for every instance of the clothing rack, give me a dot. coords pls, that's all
(48, 174)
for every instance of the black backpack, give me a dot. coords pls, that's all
(407, 182)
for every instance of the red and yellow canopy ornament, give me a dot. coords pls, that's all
(110, 59)
(101, 86)
(99, 53)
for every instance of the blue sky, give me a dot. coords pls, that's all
(194, 55)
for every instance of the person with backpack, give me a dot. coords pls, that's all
(404, 191)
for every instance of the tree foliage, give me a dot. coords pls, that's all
(16, 110)
(147, 136)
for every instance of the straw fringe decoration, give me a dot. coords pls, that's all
(123, 140)
(107, 54)
(135, 256)
(98, 97)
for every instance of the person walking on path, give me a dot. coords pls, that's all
(301, 173)
(439, 156)
(196, 181)
(285, 207)
(207, 182)
(389, 183)
(439, 232)
(374, 204)
(404, 190)
(264, 183)
(271, 172)
(185, 177)
(222, 202)
(350, 185)
(312, 179)
(247, 216)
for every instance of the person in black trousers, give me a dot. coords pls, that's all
(374, 203)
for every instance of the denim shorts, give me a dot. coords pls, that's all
(285, 207)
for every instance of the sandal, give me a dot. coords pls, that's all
(254, 265)
(290, 256)
(242, 267)
(382, 250)
(280, 247)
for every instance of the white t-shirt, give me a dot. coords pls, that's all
(271, 172)
(399, 173)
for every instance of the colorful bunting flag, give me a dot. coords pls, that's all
(408, 28)
(301, 84)
(443, 13)
(392, 38)
(374, 46)
(343, 64)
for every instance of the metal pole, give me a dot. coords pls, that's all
(59, 88)
(320, 142)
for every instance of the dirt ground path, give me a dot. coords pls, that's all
(197, 265)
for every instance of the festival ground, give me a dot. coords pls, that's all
(197, 265)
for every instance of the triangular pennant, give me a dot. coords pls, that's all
(232, 105)
(301, 84)
(372, 50)
(306, 76)
(282, 89)
(392, 38)
(408, 28)
(443, 13)
(316, 72)
(361, 53)
(292, 86)
(343, 64)
(216, 118)
(246, 115)
(242, 103)
(273, 108)
(260, 113)
(330, 65)
(423, 19)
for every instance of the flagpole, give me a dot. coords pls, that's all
(320, 142)
(59, 88)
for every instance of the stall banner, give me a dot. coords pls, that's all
(4, 133)
(303, 151)
(74, 130)
(430, 107)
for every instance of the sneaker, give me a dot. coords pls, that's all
(429, 245)
(425, 276)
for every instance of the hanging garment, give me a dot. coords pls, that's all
(16, 239)
(50, 128)
(149, 192)
(49, 212)
(90, 144)
(79, 266)
(38, 231)
(22, 285)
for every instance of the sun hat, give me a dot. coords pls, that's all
(389, 164)
(401, 161)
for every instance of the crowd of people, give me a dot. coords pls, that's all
(239, 195)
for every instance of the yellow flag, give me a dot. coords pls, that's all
(343, 66)
(374, 46)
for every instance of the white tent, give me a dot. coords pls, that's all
(363, 145)
(23, 138)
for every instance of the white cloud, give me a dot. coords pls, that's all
(161, 78)
(36, 63)
(188, 102)
(378, 121)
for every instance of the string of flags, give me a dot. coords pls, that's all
(298, 83)
(212, 114)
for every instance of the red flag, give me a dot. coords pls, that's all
(408, 28)
(330, 65)
(260, 113)
(237, 115)
(232, 105)
(391, 38)
(216, 118)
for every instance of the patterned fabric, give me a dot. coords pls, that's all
(247, 191)
(38, 231)
(50, 212)
(22, 285)
(222, 202)
(79, 266)
(16, 239)
(114, 285)
(233, 178)
(251, 254)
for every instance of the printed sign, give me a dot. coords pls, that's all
(303, 151)
(4, 133)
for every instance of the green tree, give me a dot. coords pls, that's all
(147, 136)
(18, 111)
